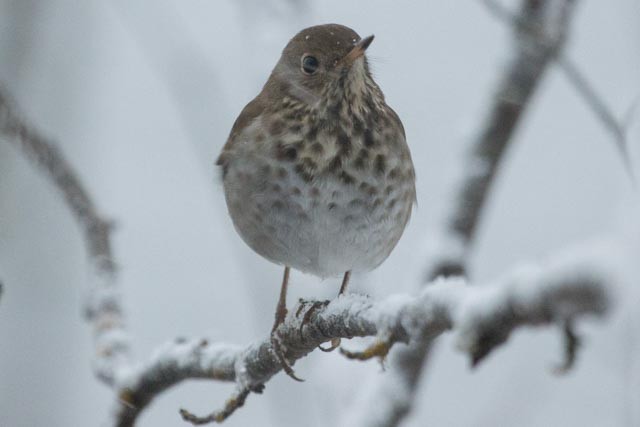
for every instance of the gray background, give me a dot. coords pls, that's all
(141, 96)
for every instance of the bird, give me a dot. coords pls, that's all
(317, 173)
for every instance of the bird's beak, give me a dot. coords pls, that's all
(358, 50)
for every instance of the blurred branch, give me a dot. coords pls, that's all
(103, 308)
(617, 128)
(565, 287)
(532, 54)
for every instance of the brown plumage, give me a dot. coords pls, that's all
(316, 170)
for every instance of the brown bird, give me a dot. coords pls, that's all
(317, 172)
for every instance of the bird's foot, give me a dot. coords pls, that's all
(335, 343)
(279, 351)
(315, 305)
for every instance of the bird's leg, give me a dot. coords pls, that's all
(281, 313)
(335, 342)
(281, 308)
(345, 283)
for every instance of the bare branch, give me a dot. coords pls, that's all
(103, 308)
(482, 318)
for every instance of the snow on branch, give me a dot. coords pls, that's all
(103, 308)
(482, 317)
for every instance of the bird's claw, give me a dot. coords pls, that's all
(335, 343)
(278, 350)
(315, 305)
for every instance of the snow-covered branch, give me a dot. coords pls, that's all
(566, 287)
(103, 308)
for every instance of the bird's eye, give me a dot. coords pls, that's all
(310, 64)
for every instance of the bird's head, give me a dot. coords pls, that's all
(321, 62)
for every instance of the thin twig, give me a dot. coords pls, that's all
(617, 129)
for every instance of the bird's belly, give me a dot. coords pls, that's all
(322, 226)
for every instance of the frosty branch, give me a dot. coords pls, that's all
(482, 317)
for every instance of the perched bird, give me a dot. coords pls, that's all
(317, 173)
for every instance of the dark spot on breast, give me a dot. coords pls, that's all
(374, 114)
(260, 137)
(334, 110)
(314, 192)
(312, 134)
(335, 194)
(304, 173)
(286, 152)
(346, 178)
(388, 189)
(368, 139)
(393, 173)
(317, 148)
(295, 128)
(309, 164)
(331, 206)
(295, 191)
(276, 127)
(335, 164)
(380, 164)
(368, 189)
(282, 173)
(376, 203)
(344, 143)
(294, 114)
(349, 218)
(361, 160)
(392, 203)
(265, 169)
(358, 127)
(276, 188)
(277, 205)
